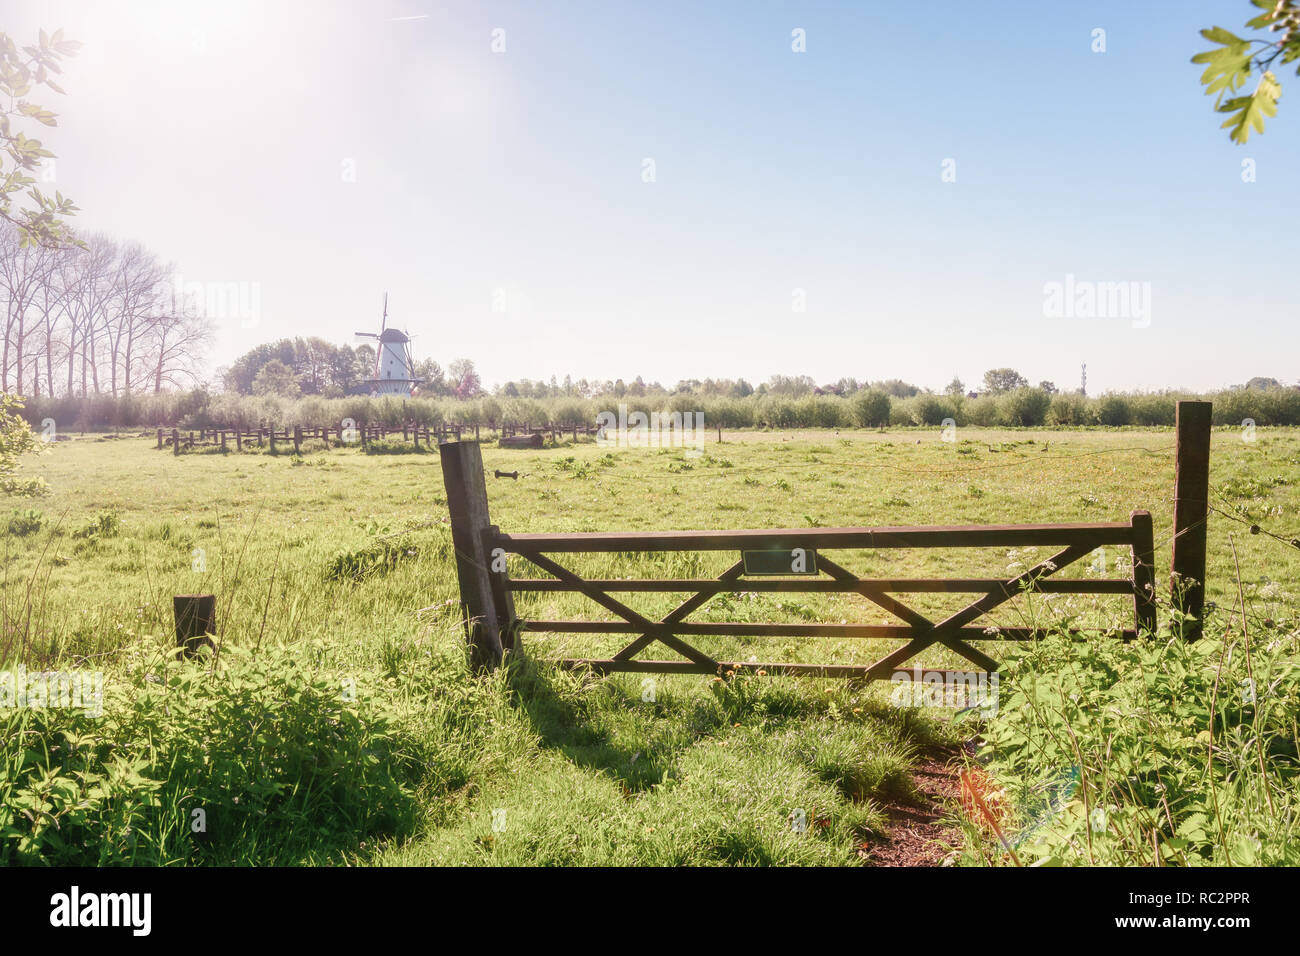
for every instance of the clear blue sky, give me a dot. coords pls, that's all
(216, 132)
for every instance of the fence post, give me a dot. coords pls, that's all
(1144, 572)
(297, 439)
(196, 618)
(160, 439)
(176, 441)
(462, 475)
(1191, 513)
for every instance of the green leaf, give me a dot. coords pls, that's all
(1250, 111)
(1228, 67)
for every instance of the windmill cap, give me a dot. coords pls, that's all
(393, 335)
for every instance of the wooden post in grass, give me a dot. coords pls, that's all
(196, 618)
(239, 439)
(297, 439)
(462, 475)
(1144, 572)
(1191, 513)
(176, 441)
(160, 439)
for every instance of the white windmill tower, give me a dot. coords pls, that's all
(393, 364)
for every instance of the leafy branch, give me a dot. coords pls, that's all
(21, 71)
(1230, 66)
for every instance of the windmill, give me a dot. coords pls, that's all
(393, 363)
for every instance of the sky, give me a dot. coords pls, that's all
(610, 189)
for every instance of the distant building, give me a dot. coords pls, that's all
(392, 366)
(393, 363)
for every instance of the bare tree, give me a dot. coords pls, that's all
(99, 308)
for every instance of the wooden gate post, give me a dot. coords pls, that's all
(1191, 513)
(462, 474)
(196, 618)
(1144, 573)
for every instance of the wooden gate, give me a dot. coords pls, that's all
(796, 560)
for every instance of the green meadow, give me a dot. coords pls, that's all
(336, 721)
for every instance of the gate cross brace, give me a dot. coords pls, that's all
(945, 631)
(679, 613)
(653, 630)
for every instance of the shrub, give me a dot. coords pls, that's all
(777, 412)
(24, 523)
(1114, 411)
(570, 412)
(1024, 407)
(283, 767)
(822, 411)
(1152, 408)
(930, 409)
(1072, 409)
(982, 411)
(361, 563)
(106, 524)
(870, 408)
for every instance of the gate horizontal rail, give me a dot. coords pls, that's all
(900, 585)
(959, 536)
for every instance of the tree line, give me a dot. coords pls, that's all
(866, 408)
(93, 316)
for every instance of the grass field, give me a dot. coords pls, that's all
(341, 723)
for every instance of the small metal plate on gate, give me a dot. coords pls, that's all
(780, 561)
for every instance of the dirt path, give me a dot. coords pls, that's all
(916, 835)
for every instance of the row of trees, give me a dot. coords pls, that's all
(866, 408)
(93, 316)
